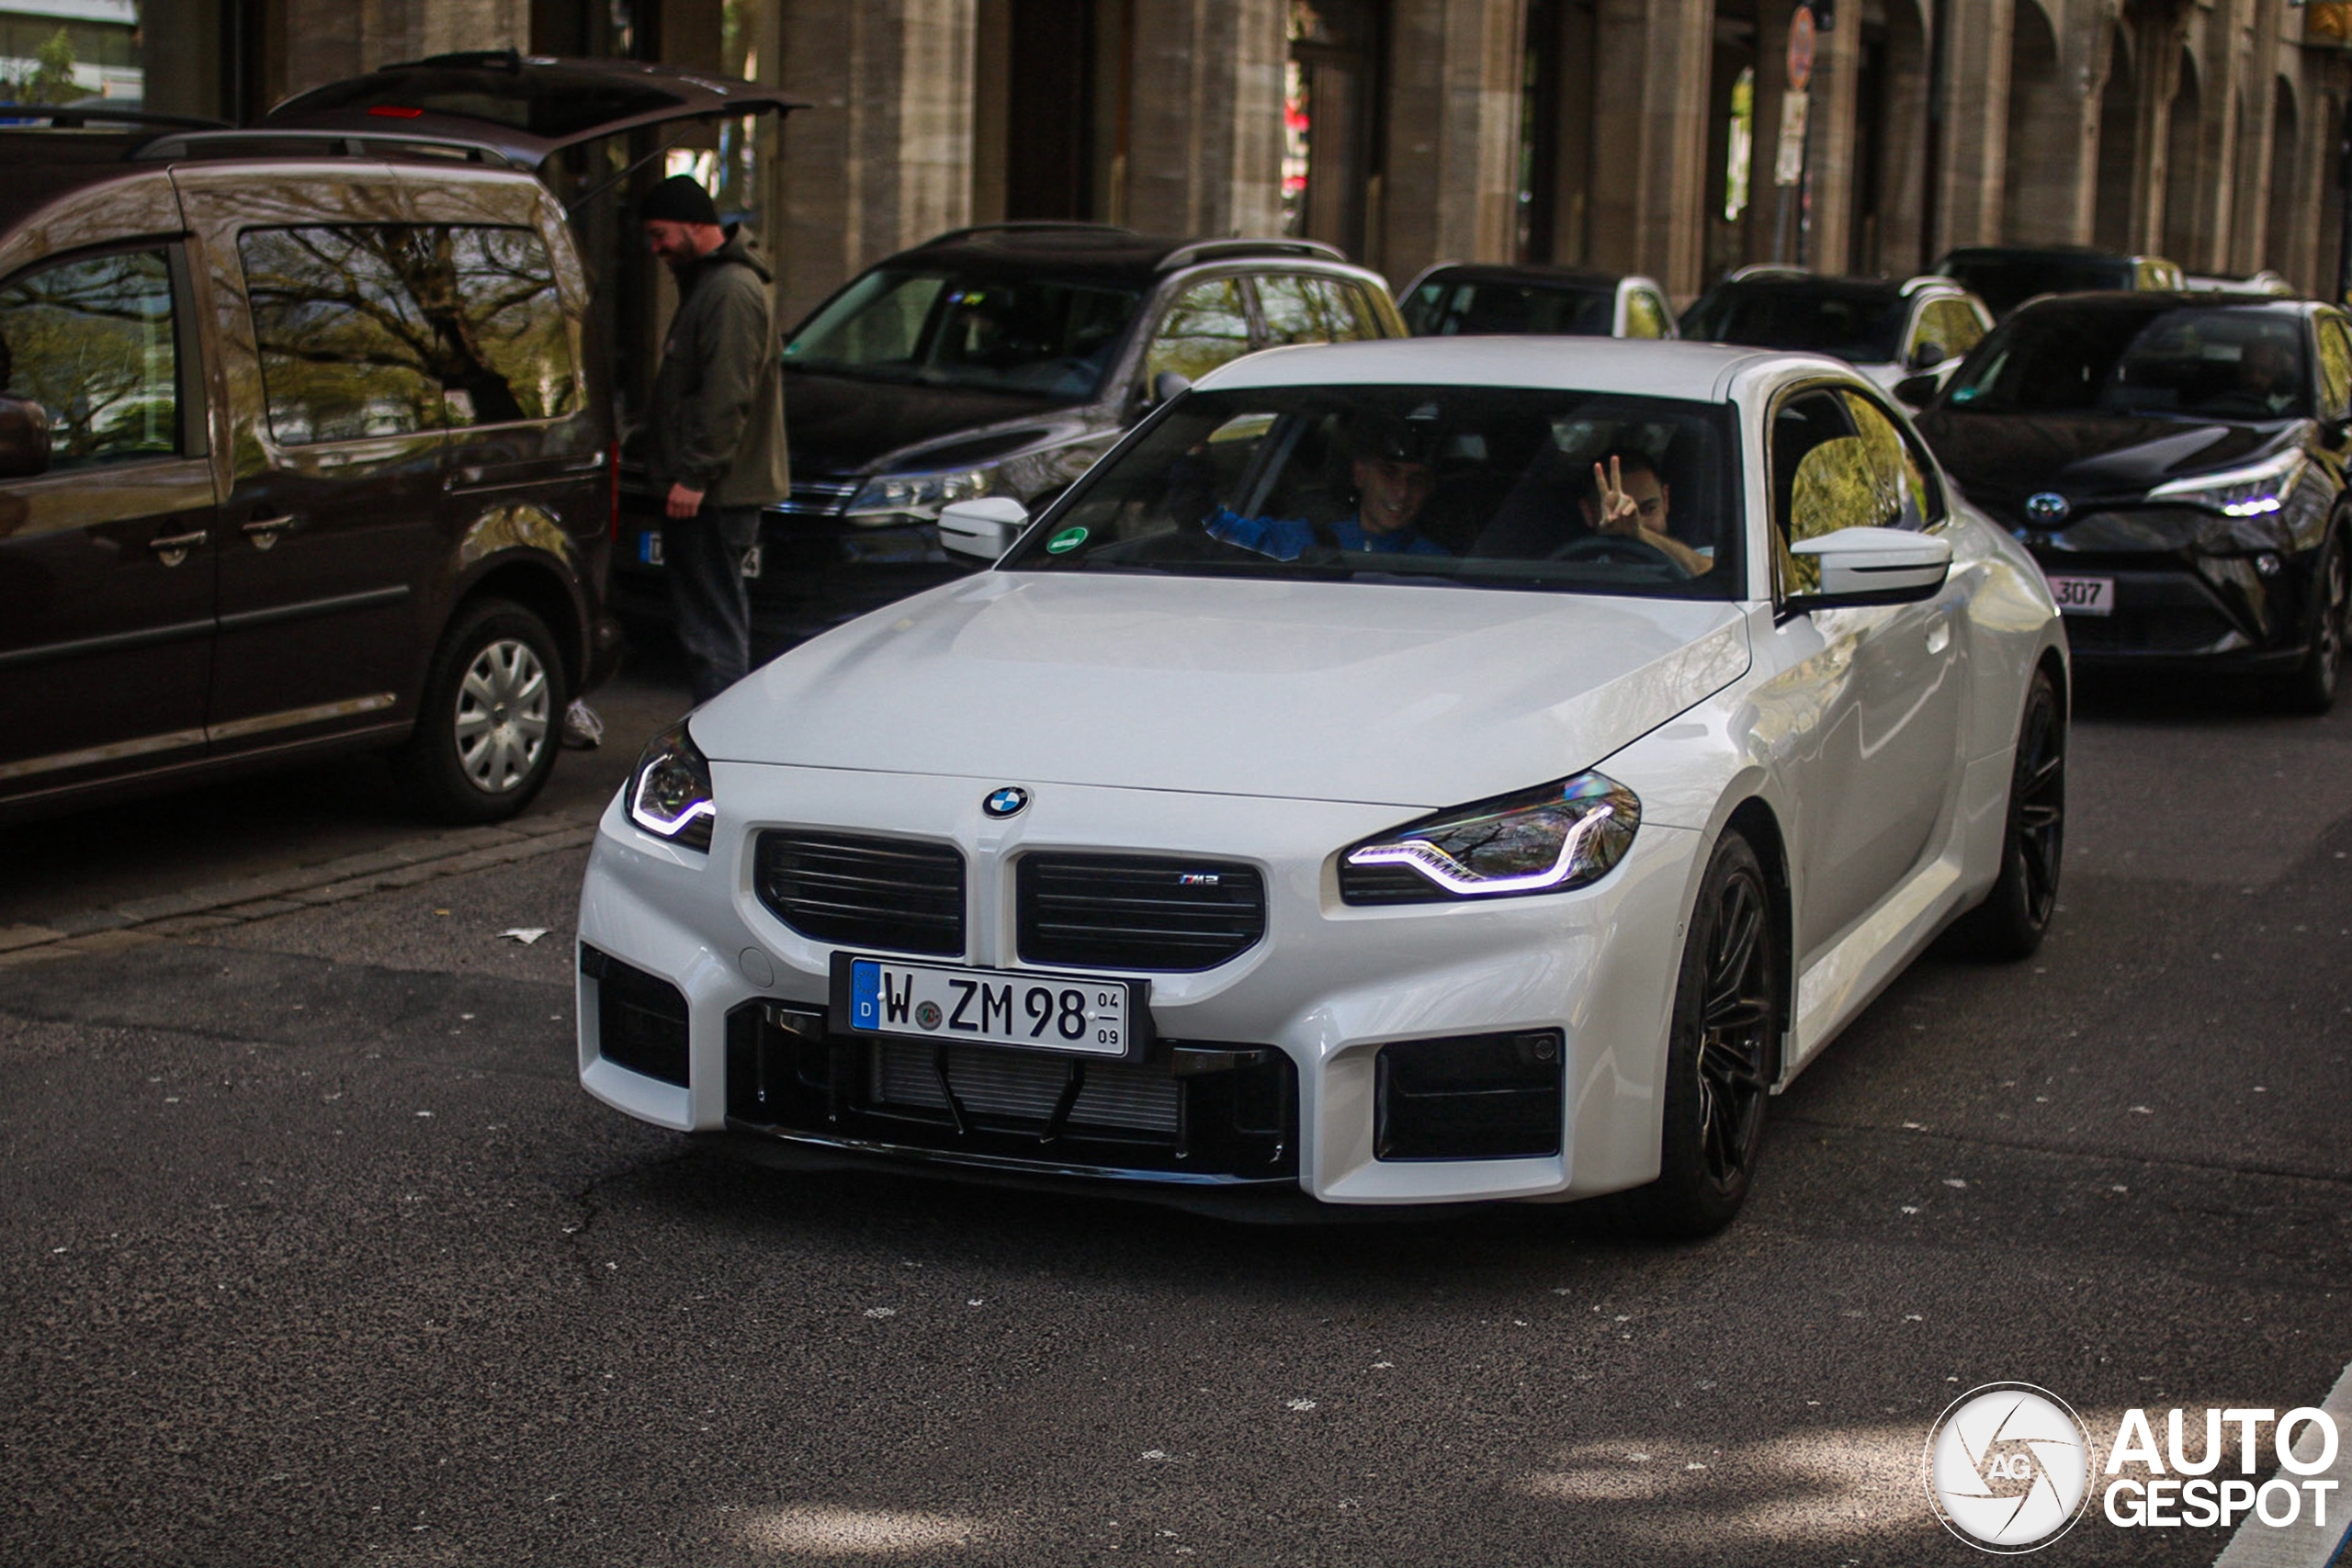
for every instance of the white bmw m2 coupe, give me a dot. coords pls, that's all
(1402, 772)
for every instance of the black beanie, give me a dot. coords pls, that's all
(678, 199)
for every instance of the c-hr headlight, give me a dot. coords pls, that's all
(669, 793)
(1547, 839)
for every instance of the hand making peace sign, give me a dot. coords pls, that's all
(1619, 513)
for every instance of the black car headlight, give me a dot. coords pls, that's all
(669, 794)
(1543, 841)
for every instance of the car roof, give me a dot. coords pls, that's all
(1535, 276)
(1884, 290)
(1643, 366)
(2032, 252)
(1103, 251)
(2153, 301)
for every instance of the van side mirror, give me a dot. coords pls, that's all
(983, 527)
(1873, 566)
(24, 438)
(1928, 355)
(1917, 392)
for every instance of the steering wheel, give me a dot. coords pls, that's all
(1620, 549)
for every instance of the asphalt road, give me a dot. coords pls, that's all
(311, 1250)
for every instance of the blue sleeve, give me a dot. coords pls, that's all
(1284, 539)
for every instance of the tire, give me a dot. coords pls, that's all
(487, 731)
(2312, 688)
(2015, 916)
(1730, 1014)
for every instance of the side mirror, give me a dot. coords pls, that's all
(1928, 355)
(1166, 385)
(983, 528)
(1873, 566)
(1917, 392)
(24, 438)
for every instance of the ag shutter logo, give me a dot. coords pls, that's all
(2008, 1467)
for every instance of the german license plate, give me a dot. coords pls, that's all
(2083, 595)
(992, 1006)
(649, 546)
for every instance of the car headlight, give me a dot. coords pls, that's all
(918, 495)
(2251, 492)
(669, 794)
(1543, 841)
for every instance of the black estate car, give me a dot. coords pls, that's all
(2005, 276)
(996, 361)
(2175, 462)
(1467, 298)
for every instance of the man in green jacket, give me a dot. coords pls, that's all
(716, 444)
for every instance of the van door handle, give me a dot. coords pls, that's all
(174, 548)
(264, 531)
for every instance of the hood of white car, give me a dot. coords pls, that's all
(1410, 695)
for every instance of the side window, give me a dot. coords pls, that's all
(1838, 462)
(1208, 325)
(91, 340)
(1644, 317)
(1352, 317)
(346, 348)
(1294, 310)
(2334, 367)
(1962, 329)
(510, 357)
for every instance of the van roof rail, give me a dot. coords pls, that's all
(1200, 251)
(263, 141)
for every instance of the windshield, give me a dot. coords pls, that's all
(1865, 326)
(1442, 486)
(2006, 283)
(2191, 363)
(1036, 335)
(1440, 309)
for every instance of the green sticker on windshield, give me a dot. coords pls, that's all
(1066, 541)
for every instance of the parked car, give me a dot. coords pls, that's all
(2175, 462)
(2005, 276)
(301, 453)
(2263, 282)
(1317, 798)
(1458, 298)
(1000, 360)
(1890, 331)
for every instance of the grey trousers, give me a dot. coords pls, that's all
(712, 609)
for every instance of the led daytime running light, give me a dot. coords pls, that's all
(2254, 492)
(669, 794)
(1455, 877)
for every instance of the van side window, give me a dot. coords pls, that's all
(389, 328)
(91, 340)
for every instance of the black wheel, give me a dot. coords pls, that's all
(2312, 688)
(1730, 1011)
(487, 731)
(2015, 916)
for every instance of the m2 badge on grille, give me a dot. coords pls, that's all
(1081, 1016)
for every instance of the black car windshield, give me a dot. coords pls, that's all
(2004, 283)
(1037, 335)
(2190, 362)
(1447, 308)
(1442, 486)
(1863, 325)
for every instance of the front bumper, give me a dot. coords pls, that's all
(1273, 1054)
(2218, 613)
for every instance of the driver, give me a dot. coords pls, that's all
(1629, 500)
(2267, 374)
(1389, 464)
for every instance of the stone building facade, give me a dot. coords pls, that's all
(1641, 135)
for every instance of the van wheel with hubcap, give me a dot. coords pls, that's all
(487, 731)
(1730, 1013)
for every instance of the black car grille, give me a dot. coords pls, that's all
(1126, 912)
(888, 893)
(640, 1018)
(1209, 1113)
(2165, 629)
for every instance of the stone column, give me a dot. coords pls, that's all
(1617, 160)
(2157, 34)
(1977, 122)
(882, 159)
(1671, 157)
(325, 40)
(1835, 101)
(2250, 170)
(1205, 155)
(1452, 119)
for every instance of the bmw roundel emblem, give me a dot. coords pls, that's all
(1005, 802)
(2045, 507)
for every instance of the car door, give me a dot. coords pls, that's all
(107, 560)
(1884, 764)
(332, 524)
